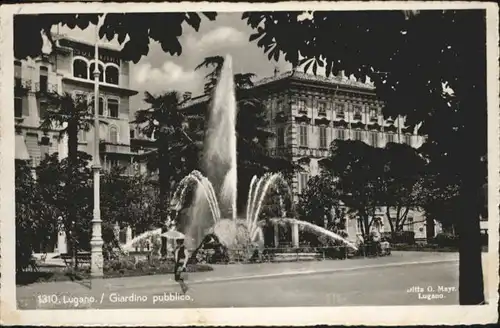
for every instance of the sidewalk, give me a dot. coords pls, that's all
(239, 272)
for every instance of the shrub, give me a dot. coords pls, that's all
(446, 239)
(400, 237)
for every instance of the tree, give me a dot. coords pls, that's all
(66, 191)
(357, 171)
(135, 31)
(319, 198)
(128, 201)
(175, 153)
(34, 224)
(383, 44)
(69, 114)
(403, 181)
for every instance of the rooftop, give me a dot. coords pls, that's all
(334, 80)
(58, 37)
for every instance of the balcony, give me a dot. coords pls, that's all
(22, 86)
(309, 152)
(43, 89)
(280, 152)
(112, 148)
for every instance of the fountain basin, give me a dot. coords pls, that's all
(234, 234)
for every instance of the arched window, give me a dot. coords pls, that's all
(80, 69)
(112, 74)
(113, 107)
(101, 70)
(113, 134)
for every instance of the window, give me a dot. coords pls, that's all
(303, 179)
(357, 112)
(341, 134)
(340, 108)
(101, 105)
(323, 142)
(373, 114)
(302, 105)
(44, 78)
(280, 105)
(101, 70)
(374, 139)
(113, 135)
(390, 137)
(411, 224)
(80, 69)
(113, 108)
(82, 136)
(281, 136)
(358, 135)
(132, 134)
(42, 108)
(18, 107)
(303, 135)
(407, 139)
(321, 109)
(17, 72)
(112, 74)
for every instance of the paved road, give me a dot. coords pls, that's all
(384, 281)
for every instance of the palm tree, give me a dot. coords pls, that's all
(165, 122)
(252, 127)
(70, 115)
(176, 152)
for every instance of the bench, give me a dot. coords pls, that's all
(82, 258)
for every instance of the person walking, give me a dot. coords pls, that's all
(181, 256)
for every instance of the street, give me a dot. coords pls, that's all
(405, 278)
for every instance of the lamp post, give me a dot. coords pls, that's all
(96, 241)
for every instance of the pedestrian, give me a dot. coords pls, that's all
(181, 255)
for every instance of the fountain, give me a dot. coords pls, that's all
(216, 214)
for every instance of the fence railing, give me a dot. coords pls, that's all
(277, 254)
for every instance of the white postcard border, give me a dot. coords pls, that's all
(382, 315)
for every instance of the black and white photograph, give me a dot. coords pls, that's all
(337, 163)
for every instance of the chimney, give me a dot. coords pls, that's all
(276, 71)
(187, 95)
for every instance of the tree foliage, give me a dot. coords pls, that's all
(134, 31)
(34, 222)
(319, 198)
(175, 152)
(66, 190)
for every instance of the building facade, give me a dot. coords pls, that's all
(69, 69)
(308, 112)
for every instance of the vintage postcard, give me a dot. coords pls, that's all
(294, 163)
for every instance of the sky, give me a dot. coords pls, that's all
(158, 71)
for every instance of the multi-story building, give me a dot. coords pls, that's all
(69, 69)
(308, 112)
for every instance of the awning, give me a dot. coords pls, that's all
(21, 149)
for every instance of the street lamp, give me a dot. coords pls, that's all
(96, 241)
